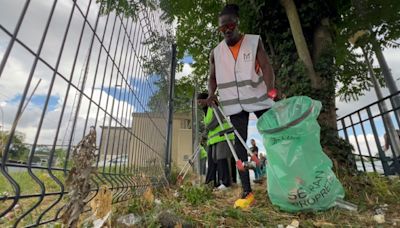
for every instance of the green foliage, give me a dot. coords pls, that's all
(126, 7)
(18, 150)
(384, 187)
(196, 32)
(196, 36)
(27, 183)
(173, 176)
(381, 19)
(233, 213)
(369, 189)
(196, 195)
(191, 40)
(352, 74)
(183, 94)
(135, 206)
(60, 155)
(158, 66)
(338, 64)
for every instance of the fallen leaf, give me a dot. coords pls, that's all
(148, 195)
(322, 224)
(101, 204)
(295, 223)
(178, 225)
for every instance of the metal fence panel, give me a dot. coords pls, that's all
(64, 68)
(367, 129)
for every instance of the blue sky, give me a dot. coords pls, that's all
(187, 59)
(37, 100)
(121, 94)
(124, 94)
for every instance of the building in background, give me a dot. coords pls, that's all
(143, 145)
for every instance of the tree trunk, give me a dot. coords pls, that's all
(321, 42)
(322, 39)
(300, 41)
(337, 149)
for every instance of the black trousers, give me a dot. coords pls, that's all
(240, 121)
(224, 176)
(218, 171)
(233, 165)
(212, 169)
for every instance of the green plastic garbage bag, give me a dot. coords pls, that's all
(299, 173)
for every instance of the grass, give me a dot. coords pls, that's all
(29, 186)
(211, 209)
(199, 206)
(196, 195)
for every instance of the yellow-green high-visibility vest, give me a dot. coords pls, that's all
(203, 153)
(213, 135)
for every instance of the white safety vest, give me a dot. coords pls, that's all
(239, 86)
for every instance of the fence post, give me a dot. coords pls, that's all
(170, 112)
(196, 131)
(381, 153)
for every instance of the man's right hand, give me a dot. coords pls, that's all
(272, 93)
(210, 101)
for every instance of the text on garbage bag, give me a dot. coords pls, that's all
(308, 195)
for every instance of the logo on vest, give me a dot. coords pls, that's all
(247, 57)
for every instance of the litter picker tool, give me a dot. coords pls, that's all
(241, 166)
(186, 167)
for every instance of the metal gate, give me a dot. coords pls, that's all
(65, 67)
(368, 131)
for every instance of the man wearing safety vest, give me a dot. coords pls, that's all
(240, 69)
(219, 154)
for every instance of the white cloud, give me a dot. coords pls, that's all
(18, 67)
(13, 82)
(187, 70)
(19, 63)
(363, 144)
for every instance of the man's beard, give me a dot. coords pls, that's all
(233, 40)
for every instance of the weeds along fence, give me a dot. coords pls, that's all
(67, 66)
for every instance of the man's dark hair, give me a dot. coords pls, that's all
(230, 9)
(202, 96)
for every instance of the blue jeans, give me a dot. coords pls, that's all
(257, 173)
